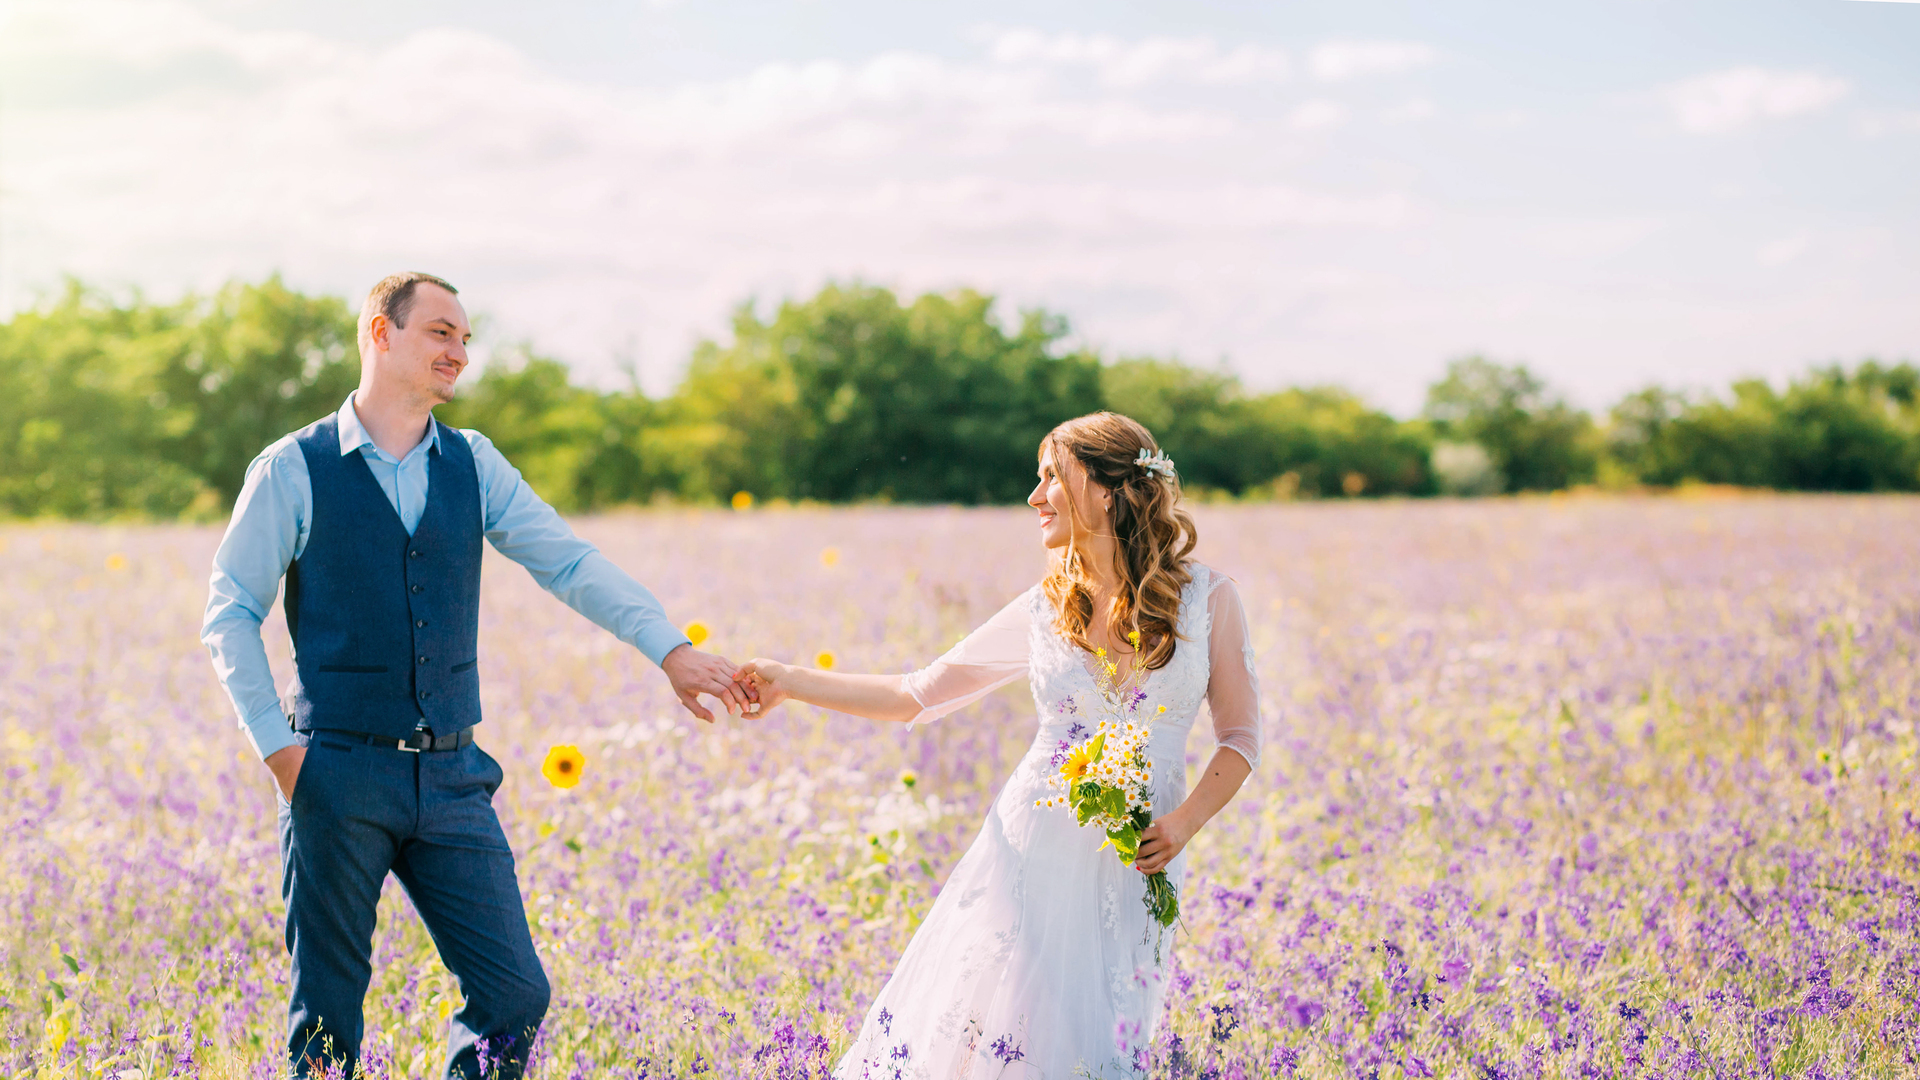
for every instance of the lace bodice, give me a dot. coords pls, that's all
(1212, 663)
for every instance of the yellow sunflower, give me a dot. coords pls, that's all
(563, 766)
(1079, 760)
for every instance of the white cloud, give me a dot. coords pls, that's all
(142, 32)
(598, 219)
(1337, 60)
(1120, 63)
(584, 215)
(1878, 124)
(1733, 99)
(1593, 238)
(1409, 111)
(1317, 115)
(1782, 251)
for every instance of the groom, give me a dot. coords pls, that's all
(374, 515)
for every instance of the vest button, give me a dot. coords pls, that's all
(425, 694)
(414, 554)
(419, 588)
(421, 623)
(423, 659)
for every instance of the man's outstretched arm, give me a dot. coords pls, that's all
(521, 526)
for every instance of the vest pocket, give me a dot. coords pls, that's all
(354, 669)
(468, 666)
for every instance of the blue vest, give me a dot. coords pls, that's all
(386, 626)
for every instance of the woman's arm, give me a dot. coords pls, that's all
(992, 656)
(1168, 835)
(1233, 698)
(876, 697)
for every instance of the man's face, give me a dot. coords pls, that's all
(426, 356)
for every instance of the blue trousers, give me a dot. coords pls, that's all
(359, 812)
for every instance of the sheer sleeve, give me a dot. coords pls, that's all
(1233, 690)
(984, 661)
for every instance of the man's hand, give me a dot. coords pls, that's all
(285, 763)
(693, 673)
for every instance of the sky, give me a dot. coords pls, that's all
(1356, 192)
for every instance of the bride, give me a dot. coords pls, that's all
(1039, 958)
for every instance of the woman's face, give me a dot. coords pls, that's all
(1064, 486)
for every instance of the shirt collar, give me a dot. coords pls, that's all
(353, 436)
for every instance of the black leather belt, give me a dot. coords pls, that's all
(413, 744)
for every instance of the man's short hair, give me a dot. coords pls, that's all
(393, 297)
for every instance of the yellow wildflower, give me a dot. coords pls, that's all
(1078, 762)
(59, 1027)
(743, 500)
(696, 632)
(563, 766)
(830, 557)
(824, 661)
(116, 561)
(909, 778)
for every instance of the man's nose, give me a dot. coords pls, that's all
(458, 354)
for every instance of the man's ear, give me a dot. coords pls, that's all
(378, 328)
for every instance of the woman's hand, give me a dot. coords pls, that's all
(768, 679)
(1161, 841)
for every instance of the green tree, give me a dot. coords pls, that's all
(256, 362)
(84, 412)
(1830, 430)
(1536, 440)
(1315, 440)
(579, 448)
(854, 395)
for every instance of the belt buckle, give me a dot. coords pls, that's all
(403, 747)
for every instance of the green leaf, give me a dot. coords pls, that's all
(1097, 747)
(573, 845)
(1126, 841)
(72, 964)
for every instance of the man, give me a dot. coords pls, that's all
(374, 515)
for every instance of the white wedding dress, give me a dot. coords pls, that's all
(1039, 960)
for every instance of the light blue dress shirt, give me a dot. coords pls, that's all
(269, 530)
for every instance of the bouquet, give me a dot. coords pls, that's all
(1108, 782)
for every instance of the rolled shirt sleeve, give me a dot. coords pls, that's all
(521, 526)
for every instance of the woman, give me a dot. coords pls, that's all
(1039, 958)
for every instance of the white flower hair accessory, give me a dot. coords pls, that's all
(1156, 462)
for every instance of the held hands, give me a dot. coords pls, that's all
(767, 680)
(1161, 841)
(693, 673)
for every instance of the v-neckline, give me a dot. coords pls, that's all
(1086, 655)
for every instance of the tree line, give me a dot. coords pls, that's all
(112, 408)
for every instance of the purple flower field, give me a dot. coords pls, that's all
(1553, 788)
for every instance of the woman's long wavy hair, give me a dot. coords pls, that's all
(1154, 535)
